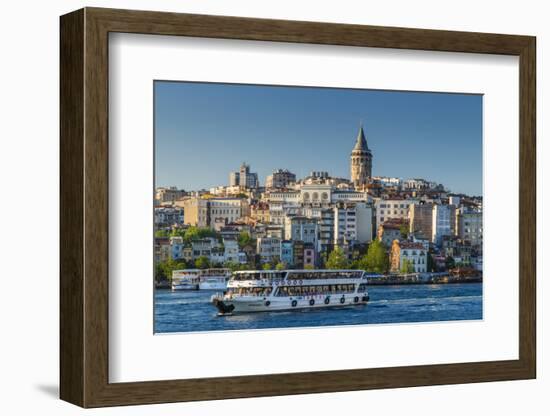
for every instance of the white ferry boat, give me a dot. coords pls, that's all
(214, 279)
(187, 279)
(274, 290)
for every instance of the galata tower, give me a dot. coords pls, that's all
(361, 161)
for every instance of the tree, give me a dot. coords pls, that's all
(449, 263)
(430, 263)
(404, 229)
(160, 272)
(309, 267)
(232, 265)
(407, 266)
(202, 262)
(196, 233)
(177, 232)
(280, 266)
(376, 259)
(244, 239)
(337, 259)
(161, 233)
(163, 270)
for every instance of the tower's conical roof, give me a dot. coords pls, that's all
(361, 142)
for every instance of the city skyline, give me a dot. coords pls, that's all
(313, 129)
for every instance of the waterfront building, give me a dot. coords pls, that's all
(343, 195)
(420, 219)
(213, 212)
(387, 209)
(469, 227)
(388, 182)
(187, 252)
(269, 249)
(442, 222)
(203, 247)
(280, 179)
(224, 191)
(259, 212)
(323, 178)
(360, 161)
(287, 255)
(298, 253)
(176, 248)
(168, 216)
(352, 223)
(458, 249)
(301, 228)
(309, 255)
(196, 212)
(171, 194)
(424, 241)
(326, 229)
(287, 197)
(419, 184)
(161, 249)
(217, 255)
(243, 178)
(275, 231)
(415, 254)
(278, 212)
(243, 259)
(223, 211)
(232, 231)
(231, 249)
(316, 194)
(388, 232)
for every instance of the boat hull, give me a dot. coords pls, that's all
(273, 304)
(213, 285)
(185, 286)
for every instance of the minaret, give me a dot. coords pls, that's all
(361, 160)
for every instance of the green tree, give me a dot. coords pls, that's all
(202, 262)
(449, 263)
(233, 266)
(280, 266)
(244, 239)
(177, 232)
(309, 267)
(160, 272)
(163, 270)
(404, 229)
(196, 233)
(266, 266)
(161, 233)
(376, 260)
(337, 259)
(407, 266)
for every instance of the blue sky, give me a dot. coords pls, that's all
(205, 130)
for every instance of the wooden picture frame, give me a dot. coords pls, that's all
(84, 207)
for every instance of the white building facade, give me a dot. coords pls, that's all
(441, 222)
(387, 209)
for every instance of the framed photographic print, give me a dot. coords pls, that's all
(255, 207)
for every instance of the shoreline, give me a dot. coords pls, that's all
(382, 282)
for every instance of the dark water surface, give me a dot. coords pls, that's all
(185, 311)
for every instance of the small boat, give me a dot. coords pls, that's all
(214, 279)
(187, 279)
